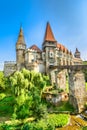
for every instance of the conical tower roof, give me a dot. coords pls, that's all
(21, 37)
(76, 50)
(49, 34)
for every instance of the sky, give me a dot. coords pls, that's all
(67, 18)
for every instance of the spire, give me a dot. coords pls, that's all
(49, 34)
(77, 50)
(77, 53)
(21, 37)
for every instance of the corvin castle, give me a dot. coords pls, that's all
(55, 60)
(33, 58)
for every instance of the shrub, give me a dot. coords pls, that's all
(6, 105)
(84, 128)
(28, 126)
(5, 127)
(2, 95)
(50, 123)
(40, 125)
(2, 81)
(58, 120)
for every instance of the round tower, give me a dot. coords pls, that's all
(20, 49)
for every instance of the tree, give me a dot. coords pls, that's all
(27, 88)
(2, 81)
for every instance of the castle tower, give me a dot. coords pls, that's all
(77, 54)
(49, 46)
(20, 49)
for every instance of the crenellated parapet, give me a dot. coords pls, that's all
(9, 67)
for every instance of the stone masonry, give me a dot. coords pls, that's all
(77, 90)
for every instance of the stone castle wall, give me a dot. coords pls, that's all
(9, 68)
(77, 90)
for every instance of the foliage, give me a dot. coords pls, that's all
(84, 62)
(5, 85)
(5, 126)
(85, 71)
(84, 128)
(86, 85)
(63, 106)
(2, 81)
(66, 106)
(53, 121)
(2, 95)
(6, 105)
(67, 85)
(58, 120)
(46, 79)
(27, 88)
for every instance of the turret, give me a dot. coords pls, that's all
(49, 45)
(20, 49)
(77, 54)
(49, 37)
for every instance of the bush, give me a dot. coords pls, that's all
(58, 120)
(40, 125)
(53, 121)
(84, 128)
(6, 105)
(28, 126)
(2, 95)
(2, 81)
(5, 127)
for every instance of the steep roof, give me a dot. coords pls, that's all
(21, 37)
(49, 34)
(77, 51)
(34, 47)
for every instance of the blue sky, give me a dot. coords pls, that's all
(68, 20)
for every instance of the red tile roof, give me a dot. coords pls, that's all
(62, 48)
(34, 47)
(49, 34)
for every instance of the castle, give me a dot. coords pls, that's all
(48, 61)
(33, 58)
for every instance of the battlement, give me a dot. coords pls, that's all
(9, 67)
(10, 62)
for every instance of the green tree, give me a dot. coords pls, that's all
(2, 81)
(27, 88)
